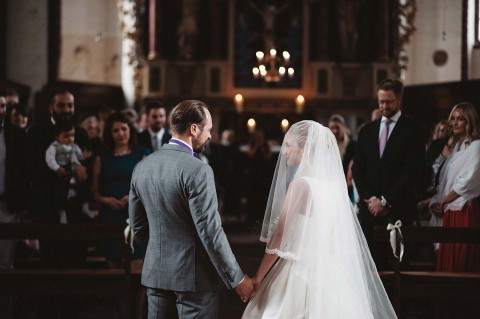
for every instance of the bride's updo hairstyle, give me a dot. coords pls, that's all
(299, 131)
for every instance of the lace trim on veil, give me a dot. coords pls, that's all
(281, 254)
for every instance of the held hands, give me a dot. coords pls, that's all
(256, 283)
(245, 289)
(375, 207)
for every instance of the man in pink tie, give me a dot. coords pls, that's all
(388, 164)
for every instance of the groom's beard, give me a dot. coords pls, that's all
(199, 148)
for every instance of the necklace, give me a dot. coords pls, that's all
(125, 152)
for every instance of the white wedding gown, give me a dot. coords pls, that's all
(324, 270)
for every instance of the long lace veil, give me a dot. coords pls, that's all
(309, 219)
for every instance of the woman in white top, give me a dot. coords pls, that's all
(317, 263)
(456, 201)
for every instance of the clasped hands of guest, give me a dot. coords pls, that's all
(247, 288)
(375, 207)
(116, 204)
(438, 208)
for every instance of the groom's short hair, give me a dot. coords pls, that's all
(187, 113)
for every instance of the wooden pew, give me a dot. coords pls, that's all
(84, 281)
(430, 284)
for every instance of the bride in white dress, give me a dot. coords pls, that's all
(317, 263)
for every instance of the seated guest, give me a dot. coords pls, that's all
(155, 135)
(112, 172)
(456, 202)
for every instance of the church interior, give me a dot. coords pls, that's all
(260, 66)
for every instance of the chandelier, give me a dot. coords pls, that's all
(272, 67)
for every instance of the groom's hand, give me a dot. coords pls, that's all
(245, 289)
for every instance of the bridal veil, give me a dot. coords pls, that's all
(310, 221)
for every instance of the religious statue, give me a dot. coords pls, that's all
(348, 25)
(269, 13)
(188, 29)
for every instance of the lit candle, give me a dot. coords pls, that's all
(273, 53)
(291, 71)
(286, 56)
(259, 55)
(251, 124)
(263, 70)
(282, 71)
(255, 72)
(239, 103)
(299, 103)
(284, 125)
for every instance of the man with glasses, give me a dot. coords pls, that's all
(155, 135)
(388, 166)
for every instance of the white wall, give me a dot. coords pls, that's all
(91, 42)
(434, 16)
(27, 43)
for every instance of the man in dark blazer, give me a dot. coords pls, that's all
(39, 137)
(173, 204)
(155, 135)
(388, 165)
(12, 180)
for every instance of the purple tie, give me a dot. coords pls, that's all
(384, 136)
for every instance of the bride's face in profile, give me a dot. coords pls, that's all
(291, 151)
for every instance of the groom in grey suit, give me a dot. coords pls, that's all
(173, 205)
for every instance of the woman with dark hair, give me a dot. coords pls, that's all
(456, 203)
(112, 172)
(19, 116)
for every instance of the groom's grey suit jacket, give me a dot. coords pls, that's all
(173, 205)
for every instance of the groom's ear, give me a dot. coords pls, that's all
(194, 129)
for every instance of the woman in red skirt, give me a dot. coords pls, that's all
(457, 200)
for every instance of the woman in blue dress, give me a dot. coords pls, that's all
(112, 173)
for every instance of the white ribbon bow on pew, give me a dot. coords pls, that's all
(128, 234)
(393, 228)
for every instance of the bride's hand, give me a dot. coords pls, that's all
(256, 283)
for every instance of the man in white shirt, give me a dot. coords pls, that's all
(156, 134)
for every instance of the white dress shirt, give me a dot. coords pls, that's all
(158, 135)
(394, 120)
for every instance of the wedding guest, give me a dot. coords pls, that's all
(439, 149)
(441, 130)
(19, 116)
(346, 145)
(40, 207)
(386, 167)
(156, 134)
(103, 114)
(260, 171)
(456, 203)
(112, 172)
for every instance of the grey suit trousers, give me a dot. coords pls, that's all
(167, 304)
